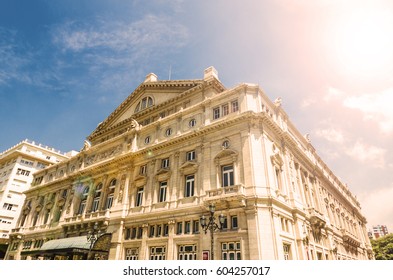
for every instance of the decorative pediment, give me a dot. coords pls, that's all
(225, 154)
(145, 97)
(189, 167)
(140, 180)
(163, 174)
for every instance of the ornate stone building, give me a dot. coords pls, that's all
(149, 172)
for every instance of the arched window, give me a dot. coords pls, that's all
(111, 194)
(82, 205)
(146, 102)
(97, 197)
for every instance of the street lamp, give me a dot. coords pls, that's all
(211, 225)
(92, 236)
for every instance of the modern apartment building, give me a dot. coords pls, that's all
(17, 165)
(174, 152)
(378, 231)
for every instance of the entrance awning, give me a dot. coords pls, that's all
(78, 242)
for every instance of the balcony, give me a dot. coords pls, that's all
(86, 217)
(231, 194)
(317, 219)
(349, 238)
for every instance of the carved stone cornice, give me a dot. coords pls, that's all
(188, 167)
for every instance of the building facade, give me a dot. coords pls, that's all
(378, 231)
(17, 165)
(172, 149)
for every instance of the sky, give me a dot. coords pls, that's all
(66, 65)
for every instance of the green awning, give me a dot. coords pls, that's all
(78, 242)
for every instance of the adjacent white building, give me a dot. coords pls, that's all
(17, 166)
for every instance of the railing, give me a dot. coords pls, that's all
(226, 191)
(87, 217)
(350, 238)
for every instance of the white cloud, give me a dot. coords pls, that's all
(333, 94)
(340, 142)
(331, 135)
(308, 102)
(372, 155)
(108, 51)
(148, 33)
(376, 107)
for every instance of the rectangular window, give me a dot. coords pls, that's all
(143, 170)
(187, 252)
(38, 180)
(26, 162)
(82, 207)
(94, 207)
(140, 233)
(162, 192)
(225, 224)
(190, 156)
(190, 185)
(109, 201)
(7, 206)
(165, 163)
(22, 172)
(128, 234)
(195, 226)
(139, 197)
(234, 222)
(158, 231)
(287, 251)
(225, 109)
(235, 106)
(152, 229)
(133, 232)
(216, 113)
(157, 253)
(187, 227)
(40, 165)
(231, 251)
(227, 176)
(166, 230)
(179, 228)
(132, 254)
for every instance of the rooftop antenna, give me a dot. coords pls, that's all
(170, 71)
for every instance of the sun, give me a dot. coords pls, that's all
(363, 41)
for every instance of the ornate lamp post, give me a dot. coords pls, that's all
(211, 225)
(92, 236)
